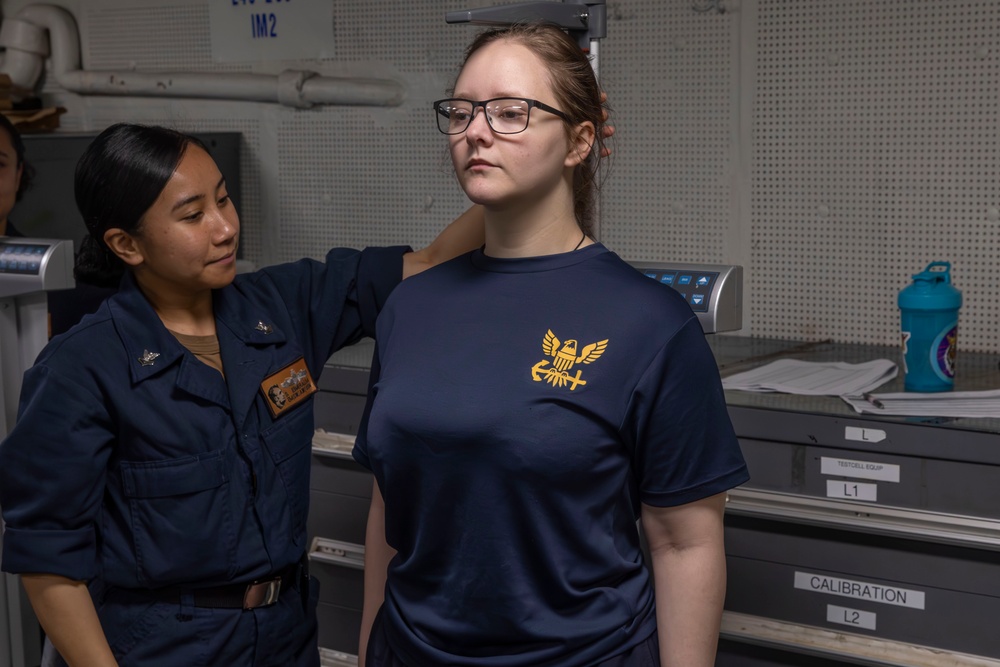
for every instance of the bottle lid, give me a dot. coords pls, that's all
(931, 289)
(935, 272)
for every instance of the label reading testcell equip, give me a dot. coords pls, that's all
(851, 490)
(860, 590)
(852, 617)
(883, 472)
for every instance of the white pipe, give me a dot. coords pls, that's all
(26, 50)
(24, 64)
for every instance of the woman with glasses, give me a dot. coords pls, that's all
(533, 400)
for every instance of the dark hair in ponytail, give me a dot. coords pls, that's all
(118, 179)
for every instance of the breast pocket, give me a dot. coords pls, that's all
(289, 444)
(182, 523)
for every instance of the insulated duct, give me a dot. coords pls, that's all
(27, 45)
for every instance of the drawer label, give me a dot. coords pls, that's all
(884, 472)
(853, 617)
(860, 590)
(851, 490)
(863, 434)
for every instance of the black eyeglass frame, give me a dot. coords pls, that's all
(532, 104)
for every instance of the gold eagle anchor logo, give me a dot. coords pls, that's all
(563, 360)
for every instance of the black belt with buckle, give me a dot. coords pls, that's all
(259, 593)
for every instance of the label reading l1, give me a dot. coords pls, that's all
(851, 490)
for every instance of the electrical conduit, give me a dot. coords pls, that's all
(24, 37)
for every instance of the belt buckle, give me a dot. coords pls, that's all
(262, 593)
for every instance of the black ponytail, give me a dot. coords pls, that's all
(97, 265)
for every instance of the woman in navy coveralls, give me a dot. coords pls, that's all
(154, 490)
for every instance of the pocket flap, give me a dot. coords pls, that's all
(290, 434)
(175, 477)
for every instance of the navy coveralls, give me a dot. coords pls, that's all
(135, 466)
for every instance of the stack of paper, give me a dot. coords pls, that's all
(973, 404)
(834, 378)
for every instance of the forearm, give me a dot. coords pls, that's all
(465, 233)
(690, 589)
(687, 549)
(66, 612)
(378, 553)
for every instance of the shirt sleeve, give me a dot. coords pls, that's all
(336, 303)
(52, 476)
(684, 446)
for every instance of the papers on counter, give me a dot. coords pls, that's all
(854, 384)
(811, 378)
(971, 404)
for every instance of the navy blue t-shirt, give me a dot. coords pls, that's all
(523, 409)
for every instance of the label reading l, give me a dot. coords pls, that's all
(863, 434)
(851, 490)
(853, 617)
(884, 472)
(860, 590)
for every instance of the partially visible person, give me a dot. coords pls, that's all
(66, 307)
(531, 401)
(154, 489)
(16, 174)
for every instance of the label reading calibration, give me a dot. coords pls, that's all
(860, 590)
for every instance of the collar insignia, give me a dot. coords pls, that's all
(266, 328)
(564, 357)
(148, 357)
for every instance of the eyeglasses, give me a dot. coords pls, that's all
(506, 115)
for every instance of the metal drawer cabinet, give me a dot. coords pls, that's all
(910, 591)
(735, 654)
(336, 527)
(339, 497)
(339, 628)
(899, 465)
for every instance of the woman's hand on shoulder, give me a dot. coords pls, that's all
(465, 233)
(607, 130)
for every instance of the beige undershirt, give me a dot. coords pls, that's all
(204, 348)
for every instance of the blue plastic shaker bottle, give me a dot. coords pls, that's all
(929, 318)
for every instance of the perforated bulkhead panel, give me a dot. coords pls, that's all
(876, 149)
(872, 133)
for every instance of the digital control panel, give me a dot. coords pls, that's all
(695, 287)
(714, 291)
(34, 265)
(25, 259)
